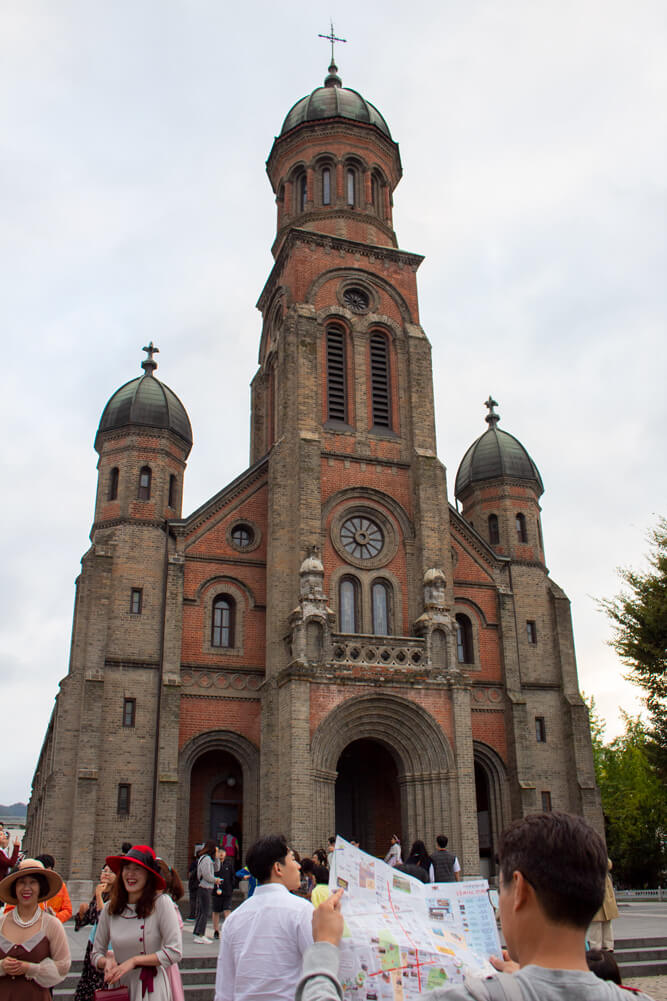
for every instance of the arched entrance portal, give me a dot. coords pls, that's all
(216, 797)
(416, 752)
(485, 831)
(367, 799)
(492, 800)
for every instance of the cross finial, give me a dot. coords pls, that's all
(332, 38)
(492, 417)
(148, 364)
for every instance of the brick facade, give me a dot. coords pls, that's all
(334, 660)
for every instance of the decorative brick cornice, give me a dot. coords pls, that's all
(295, 237)
(115, 522)
(475, 540)
(187, 526)
(356, 675)
(221, 684)
(134, 665)
(354, 215)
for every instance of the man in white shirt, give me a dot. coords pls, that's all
(263, 940)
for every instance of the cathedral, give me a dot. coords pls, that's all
(326, 644)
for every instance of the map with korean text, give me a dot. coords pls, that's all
(404, 937)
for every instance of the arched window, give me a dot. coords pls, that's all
(377, 193)
(145, 476)
(521, 533)
(348, 614)
(494, 534)
(222, 622)
(300, 188)
(336, 380)
(172, 491)
(380, 398)
(351, 187)
(113, 484)
(326, 185)
(464, 649)
(381, 608)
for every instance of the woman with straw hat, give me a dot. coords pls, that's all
(139, 923)
(34, 953)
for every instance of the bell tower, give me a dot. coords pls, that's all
(342, 405)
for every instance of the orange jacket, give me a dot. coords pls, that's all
(61, 905)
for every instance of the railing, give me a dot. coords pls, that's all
(379, 651)
(659, 894)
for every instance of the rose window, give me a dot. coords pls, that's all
(361, 537)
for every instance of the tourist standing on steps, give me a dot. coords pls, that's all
(34, 953)
(393, 856)
(446, 866)
(222, 894)
(600, 933)
(263, 941)
(91, 978)
(140, 925)
(207, 867)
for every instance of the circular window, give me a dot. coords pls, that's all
(361, 537)
(356, 299)
(242, 536)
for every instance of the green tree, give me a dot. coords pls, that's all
(639, 621)
(634, 802)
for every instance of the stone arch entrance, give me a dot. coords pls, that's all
(425, 772)
(492, 799)
(219, 783)
(368, 797)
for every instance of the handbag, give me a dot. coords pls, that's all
(120, 993)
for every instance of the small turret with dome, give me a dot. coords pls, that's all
(498, 485)
(143, 439)
(334, 166)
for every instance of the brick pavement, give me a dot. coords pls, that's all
(655, 987)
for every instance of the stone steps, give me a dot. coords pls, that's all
(635, 957)
(641, 957)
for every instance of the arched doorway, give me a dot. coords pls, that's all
(492, 804)
(367, 797)
(216, 797)
(484, 822)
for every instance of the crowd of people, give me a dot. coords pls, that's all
(283, 941)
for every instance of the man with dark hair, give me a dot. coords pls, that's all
(552, 876)
(263, 941)
(445, 865)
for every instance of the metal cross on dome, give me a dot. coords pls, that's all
(492, 417)
(332, 38)
(151, 350)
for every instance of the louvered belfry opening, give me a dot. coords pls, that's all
(380, 381)
(336, 388)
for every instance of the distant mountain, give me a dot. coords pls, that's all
(15, 810)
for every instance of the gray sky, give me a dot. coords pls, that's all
(135, 206)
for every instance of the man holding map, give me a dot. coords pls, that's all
(552, 877)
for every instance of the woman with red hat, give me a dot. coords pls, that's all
(139, 923)
(34, 954)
